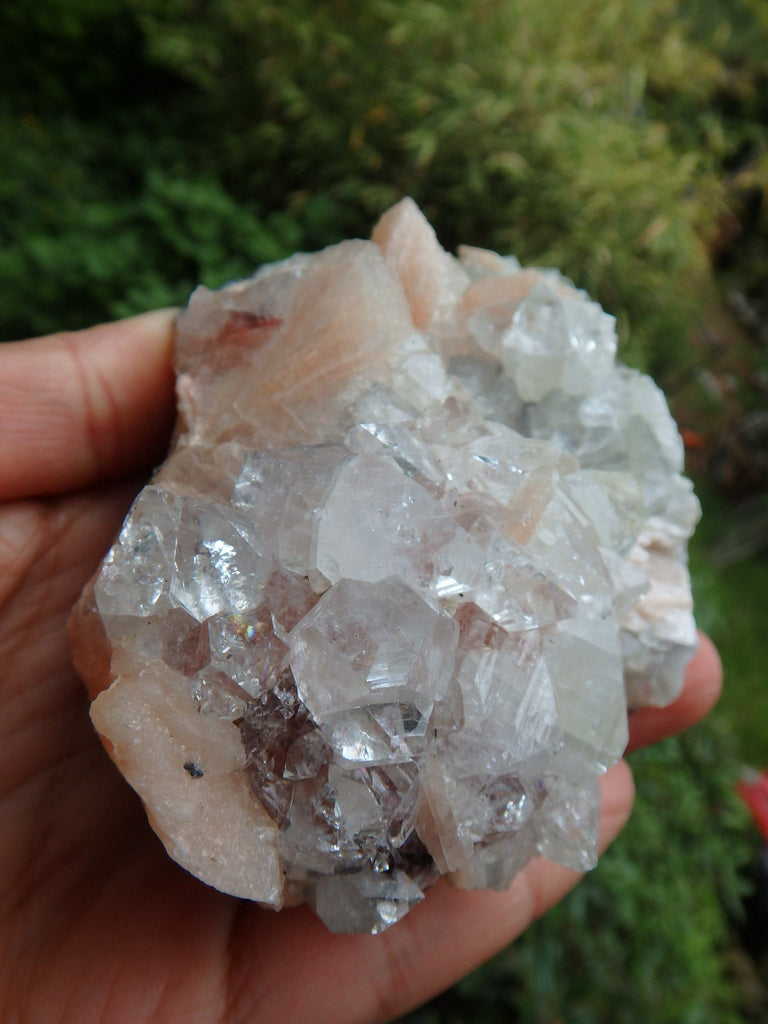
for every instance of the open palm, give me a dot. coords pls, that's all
(97, 924)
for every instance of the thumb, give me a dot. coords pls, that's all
(84, 407)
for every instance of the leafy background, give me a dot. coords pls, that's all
(153, 144)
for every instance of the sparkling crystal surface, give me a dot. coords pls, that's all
(418, 545)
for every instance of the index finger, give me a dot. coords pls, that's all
(703, 682)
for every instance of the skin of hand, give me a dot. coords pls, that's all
(97, 924)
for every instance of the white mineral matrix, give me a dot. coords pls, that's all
(419, 542)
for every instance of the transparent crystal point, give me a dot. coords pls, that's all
(365, 902)
(220, 563)
(133, 580)
(371, 643)
(569, 824)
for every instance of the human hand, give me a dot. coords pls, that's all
(97, 924)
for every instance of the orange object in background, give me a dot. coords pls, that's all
(692, 440)
(753, 790)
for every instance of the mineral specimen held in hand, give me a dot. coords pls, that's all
(378, 618)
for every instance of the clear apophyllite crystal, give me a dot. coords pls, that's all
(379, 615)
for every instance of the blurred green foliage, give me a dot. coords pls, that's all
(732, 607)
(153, 144)
(150, 145)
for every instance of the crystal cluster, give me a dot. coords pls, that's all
(420, 542)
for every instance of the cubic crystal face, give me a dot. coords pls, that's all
(420, 542)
